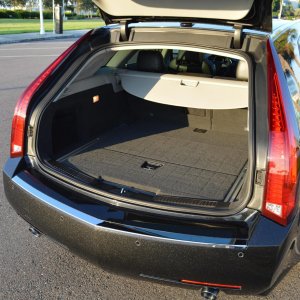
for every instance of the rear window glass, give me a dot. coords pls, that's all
(182, 61)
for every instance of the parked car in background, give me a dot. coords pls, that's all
(165, 145)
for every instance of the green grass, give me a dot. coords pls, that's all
(11, 26)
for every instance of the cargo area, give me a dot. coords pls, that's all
(152, 147)
(178, 155)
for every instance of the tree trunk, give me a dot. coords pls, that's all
(280, 9)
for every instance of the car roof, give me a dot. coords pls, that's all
(279, 23)
(280, 26)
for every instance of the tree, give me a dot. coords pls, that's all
(280, 9)
(15, 3)
(276, 6)
(86, 5)
(48, 3)
(297, 13)
(288, 10)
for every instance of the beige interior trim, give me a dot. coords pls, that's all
(186, 90)
(207, 9)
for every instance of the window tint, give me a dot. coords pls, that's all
(288, 45)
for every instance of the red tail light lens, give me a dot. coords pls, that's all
(281, 179)
(19, 118)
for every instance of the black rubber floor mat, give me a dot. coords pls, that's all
(190, 164)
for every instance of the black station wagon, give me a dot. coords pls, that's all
(165, 145)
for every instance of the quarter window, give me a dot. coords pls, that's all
(288, 48)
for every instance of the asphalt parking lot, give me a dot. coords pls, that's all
(37, 268)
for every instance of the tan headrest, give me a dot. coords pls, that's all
(242, 72)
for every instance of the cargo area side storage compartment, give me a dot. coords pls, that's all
(138, 127)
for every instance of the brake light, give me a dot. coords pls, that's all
(20, 113)
(281, 176)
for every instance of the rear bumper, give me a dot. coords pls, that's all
(212, 259)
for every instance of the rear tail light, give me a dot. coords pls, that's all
(281, 177)
(20, 114)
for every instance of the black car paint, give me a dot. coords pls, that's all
(254, 262)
